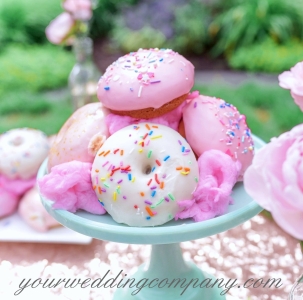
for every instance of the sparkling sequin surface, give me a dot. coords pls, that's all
(256, 249)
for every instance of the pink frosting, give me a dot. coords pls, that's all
(69, 186)
(85, 127)
(33, 213)
(146, 78)
(211, 123)
(170, 119)
(218, 174)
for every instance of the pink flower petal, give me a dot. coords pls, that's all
(256, 187)
(290, 220)
(79, 9)
(59, 29)
(293, 80)
(286, 80)
(275, 180)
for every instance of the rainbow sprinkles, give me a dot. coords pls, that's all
(141, 172)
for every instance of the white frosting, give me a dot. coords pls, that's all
(21, 152)
(162, 171)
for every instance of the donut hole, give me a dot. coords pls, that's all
(17, 141)
(147, 169)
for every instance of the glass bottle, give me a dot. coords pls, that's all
(296, 292)
(84, 76)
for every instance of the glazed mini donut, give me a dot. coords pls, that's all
(81, 136)
(22, 151)
(142, 171)
(33, 212)
(212, 123)
(147, 83)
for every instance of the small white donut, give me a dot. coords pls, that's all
(142, 171)
(21, 152)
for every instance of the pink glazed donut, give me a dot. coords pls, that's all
(211, 123)
(81, 136)
(147, 83)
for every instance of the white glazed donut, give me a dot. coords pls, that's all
(142, 171)
(21, 152)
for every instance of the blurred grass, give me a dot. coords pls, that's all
(34, 68)
(270, 110)
(27, 74)
(39, 113)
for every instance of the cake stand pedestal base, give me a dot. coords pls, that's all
(167, 276)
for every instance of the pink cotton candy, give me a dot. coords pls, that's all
(8, 202)
(69, 186)
(17, 186)
(11, 191)
(218, 173)
(170, 119)
(193, 95)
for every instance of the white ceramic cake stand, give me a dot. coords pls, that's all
(166, 260)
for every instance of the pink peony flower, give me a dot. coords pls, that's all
(293, 81)
(59, 29)
(79, 9)
(275, 180)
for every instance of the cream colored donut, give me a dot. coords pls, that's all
(142, 171)
(33, 212)
(21, 152)
(81, 136)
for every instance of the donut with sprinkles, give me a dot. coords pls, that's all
(147, 83)
(212, 123)
(22, 150)
(142, 171)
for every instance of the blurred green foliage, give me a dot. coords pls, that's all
(104, 13)
(183, 29)
(34, 68)
(26, 71)
(270, 110)
(234, 27)
(48, 120)
(240, 23)
(267, 56)
(255, 35)
(131, 40)
(23, 102)
(25, 20)
(190, 25)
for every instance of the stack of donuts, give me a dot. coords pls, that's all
(152, 150)
(21, 153)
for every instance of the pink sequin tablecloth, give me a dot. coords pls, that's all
(256, 249)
